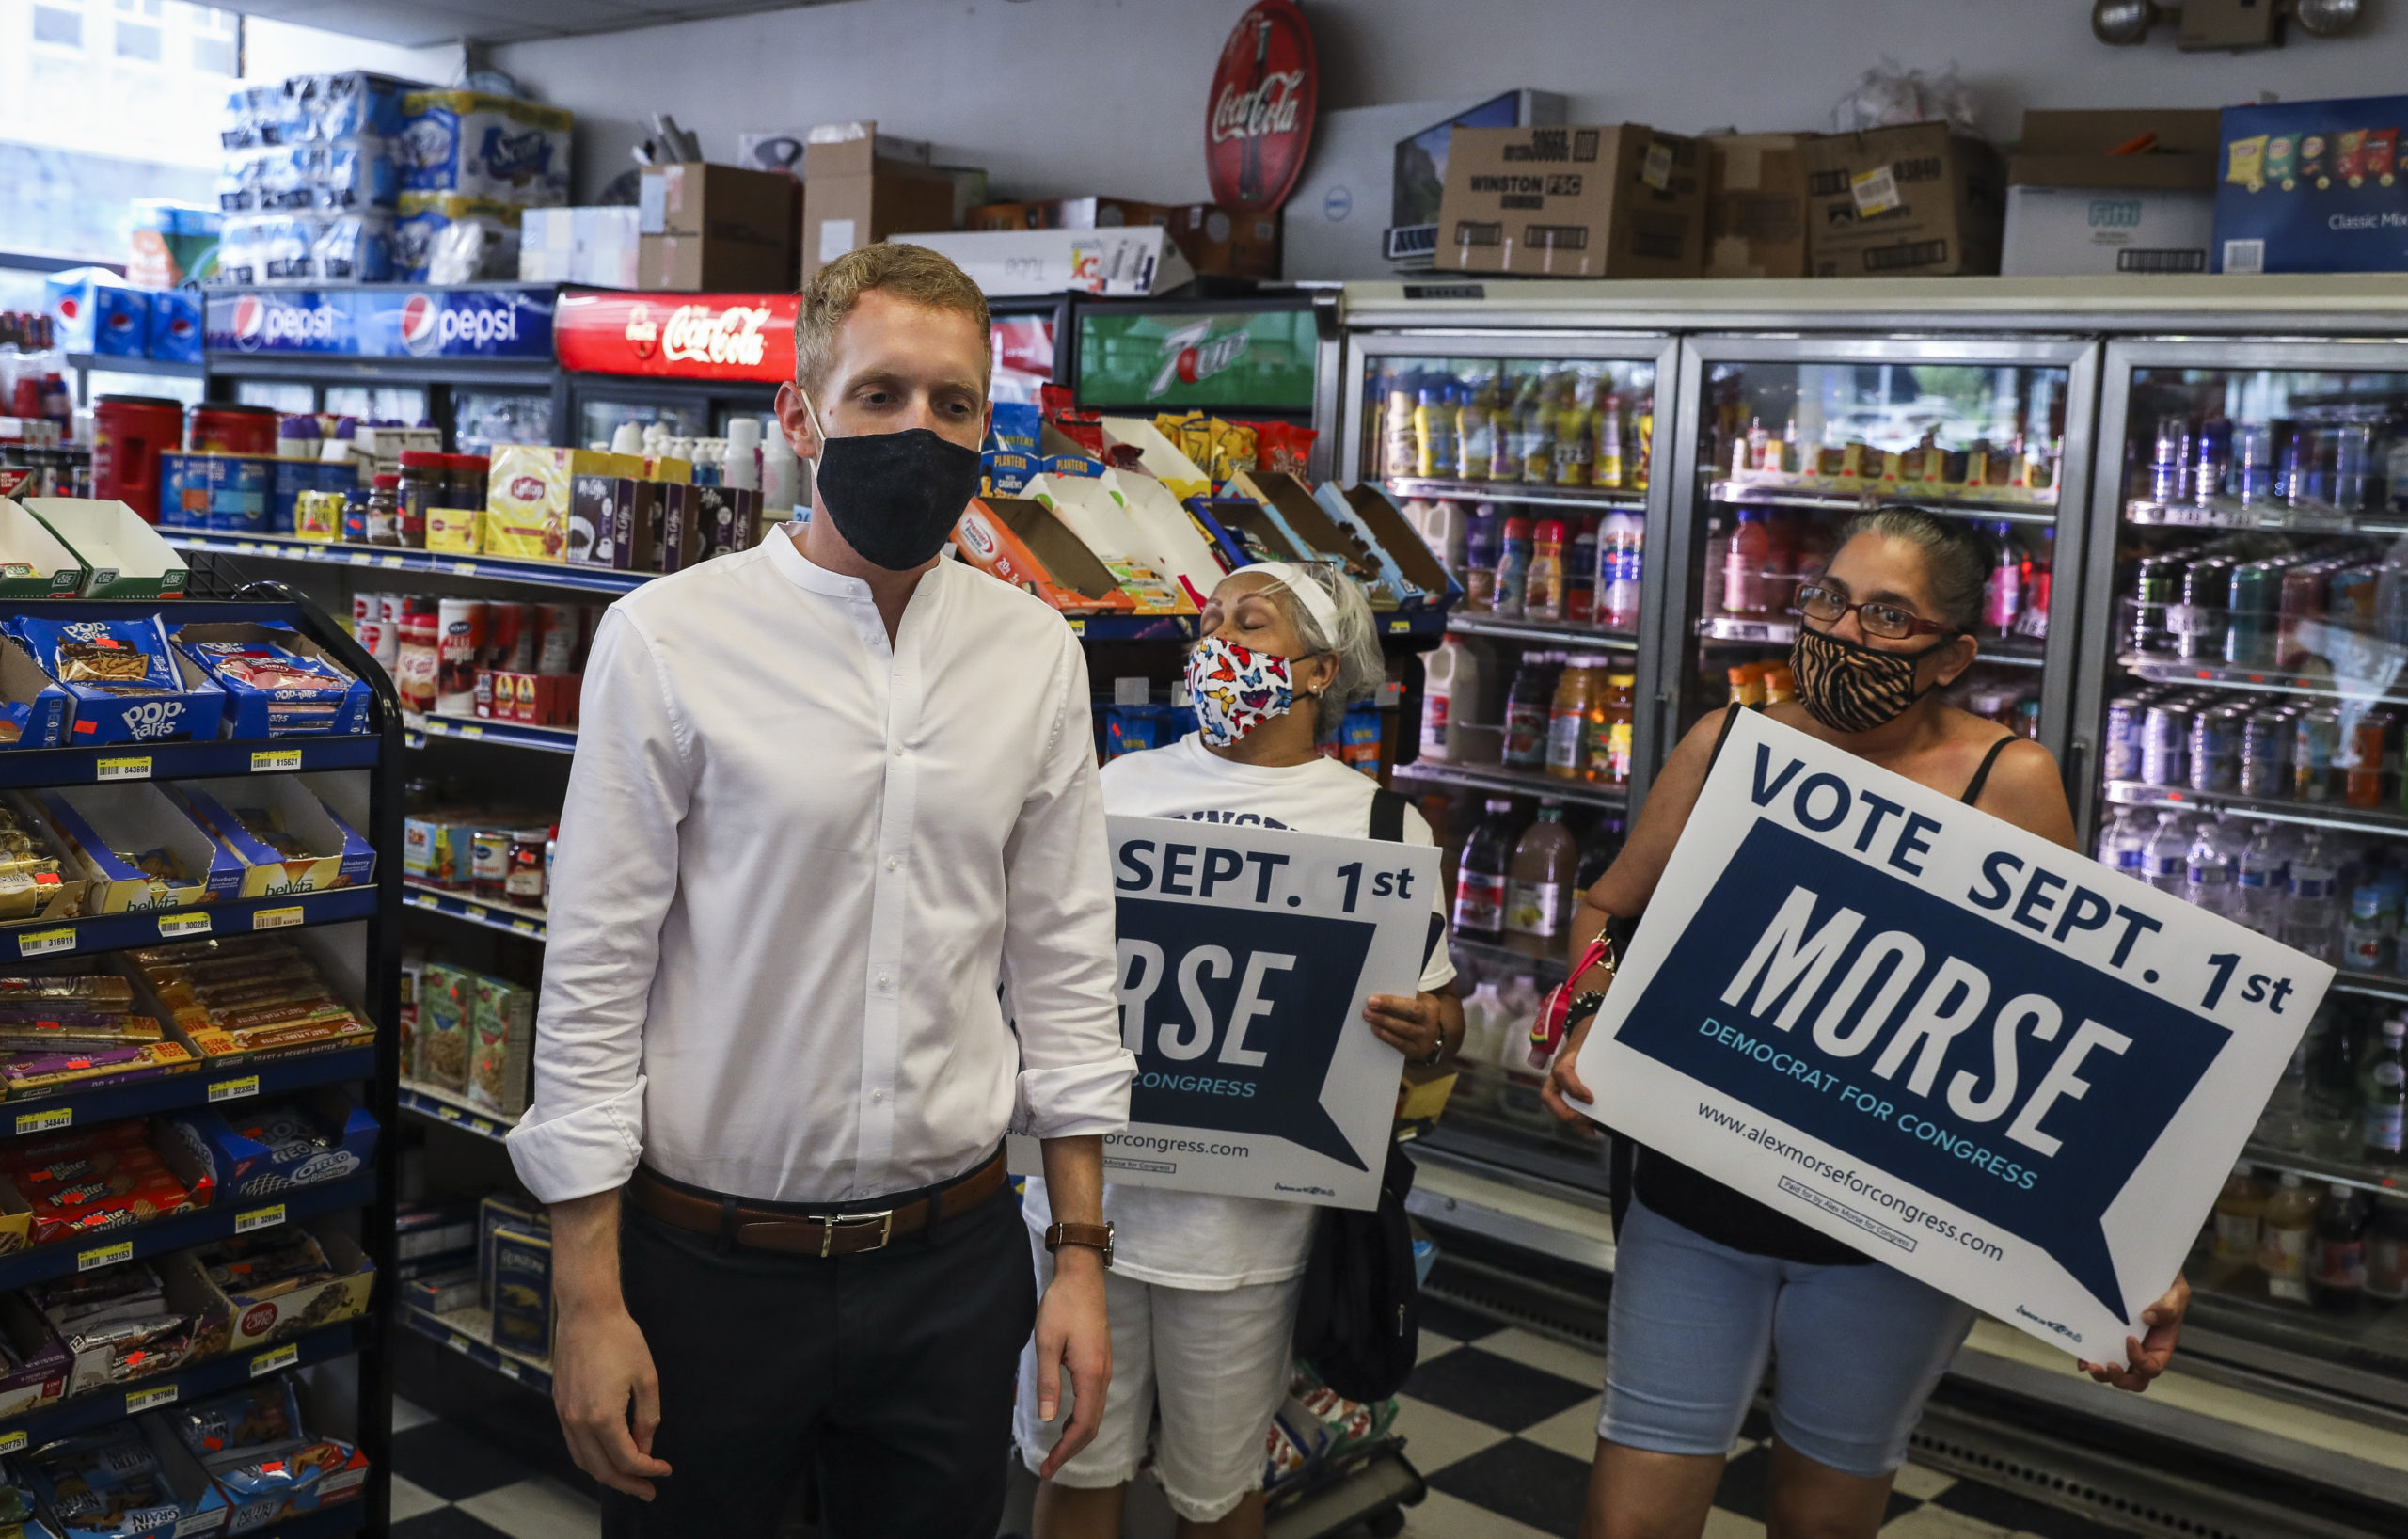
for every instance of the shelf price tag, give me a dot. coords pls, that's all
(99, 1256)
(235, 1089)
(466, 568)
(41, 943)
(449, 1114)
(283, 1357)
(470, 731)
(57, 1117)
(1077, 628)
(12, 1442)
(1398, 628)
(276, 918)
(524, 926)
(259, 1218)
(475, 911)
(510, 1369)
(143, 1400)
(270, 760)
(388, 560)
(174, 927)
(480, 1126)
(128, 767)
(458, 1342)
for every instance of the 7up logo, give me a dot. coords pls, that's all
(1192, 355)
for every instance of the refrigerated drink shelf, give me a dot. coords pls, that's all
(2326, 1167)
(1774, 495)
(2134, 793)
(1545, 959)
(1733, 630)
(2373, 1336)
(1493, 777)
(2279, 516)
(2373, 985)
(2240, 676)
(1536, 493)
(1539, 630)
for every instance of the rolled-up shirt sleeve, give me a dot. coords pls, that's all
(1058, 944)
(613, 878)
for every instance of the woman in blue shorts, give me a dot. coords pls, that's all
(1710, 1285)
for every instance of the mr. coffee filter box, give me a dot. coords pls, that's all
(2314, 187)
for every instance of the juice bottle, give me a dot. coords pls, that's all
(1539, 888)
(1620, 561)
(2338, 1265)
(1475, 433)
(1743, 569)
(1528, 707)
(1434, 434)
(1513, 570)
(1537, 428)
(1580, 572)
(2387, 1251)
(2239, 1207)
(2285, 1234)
(1567, 724)
(1606, 458)
(1747, 683)
(1636, 474)
(1780, 683)
(2382, 1103)
(1480, 886)
(1544, 599)
(1483, 542)
(1505, 463)
(1437, 695)
(1575, 449)
(1610, 715)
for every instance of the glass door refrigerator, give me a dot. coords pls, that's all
(2243, 641)
(1524, 451)
(1788, 437)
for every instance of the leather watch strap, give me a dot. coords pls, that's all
(1097, 1236)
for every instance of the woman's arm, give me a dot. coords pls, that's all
(2026, 788)
(1420, 1026)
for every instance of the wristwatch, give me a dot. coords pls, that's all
(1097, 1236)
(1437, 1054)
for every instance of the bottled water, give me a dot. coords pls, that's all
(2366, 938)
(2208, 870)
(2167, 853)
(2313, 923)
(2263, 877)
(2123, 845)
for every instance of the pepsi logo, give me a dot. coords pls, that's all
(422, 320)
(250, 315)
(429, 326)
(68, 308)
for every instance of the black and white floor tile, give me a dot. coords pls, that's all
(1503, 1424)
(448, 1485)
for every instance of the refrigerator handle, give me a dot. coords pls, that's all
(2075, 769)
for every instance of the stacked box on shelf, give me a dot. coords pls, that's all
(277, 682)
(285, 838)
(266, 1150)
(122, 681)
(66, 1031)
(138, 849)
(132, 1481)
(247, 995)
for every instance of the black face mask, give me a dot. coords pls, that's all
(894, 497)
(1852, 687)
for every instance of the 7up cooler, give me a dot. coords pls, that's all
(487, 321)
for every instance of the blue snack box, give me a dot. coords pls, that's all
(140, 1457)
(245, 1167)
(2313, 187)
(329, 708)
(291, 477)
(97, 822)
(91, 310)
(174, 334)
(38, 708)
(187, 706)
(228, 493)
(336, 855)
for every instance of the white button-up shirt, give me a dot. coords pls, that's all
(794, 865)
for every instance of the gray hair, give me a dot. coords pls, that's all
(1361, 667)
(1956, 557)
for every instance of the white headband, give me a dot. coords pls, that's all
(1290, 575)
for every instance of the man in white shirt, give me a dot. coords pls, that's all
(827, 793)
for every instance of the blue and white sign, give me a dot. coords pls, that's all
(1245, 958)
(501, 322)
(1975, 1055)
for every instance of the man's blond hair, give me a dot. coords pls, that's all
(912, 273)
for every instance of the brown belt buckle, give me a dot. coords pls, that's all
(884, 1219)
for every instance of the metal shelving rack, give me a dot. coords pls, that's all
(370, 1069)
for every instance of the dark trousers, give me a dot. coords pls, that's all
(890, 1374)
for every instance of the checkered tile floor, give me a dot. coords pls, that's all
(1504, 1424)
(448, 1485)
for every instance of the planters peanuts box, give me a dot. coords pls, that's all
(2314, 187)
(93, 311)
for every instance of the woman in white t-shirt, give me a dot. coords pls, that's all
(1203, 1288)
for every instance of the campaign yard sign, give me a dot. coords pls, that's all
(1245, 957)
(1976, 1055)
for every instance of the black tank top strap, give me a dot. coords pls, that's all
(1729, 715)
(1982, 776)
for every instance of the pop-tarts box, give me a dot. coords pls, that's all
(91, 310)
(99, 718)
(174, 332)
(2313, 187)
(38, 709)
(338, 857)
(253, 713)
(243, 1167)
(98, 821)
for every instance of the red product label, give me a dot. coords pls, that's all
(1479, 902)
(1261, 107)
(678, 336)
(258, 1319)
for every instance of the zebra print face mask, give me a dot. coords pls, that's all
(1852, 687)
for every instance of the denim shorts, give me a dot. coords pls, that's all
(1856, 1350)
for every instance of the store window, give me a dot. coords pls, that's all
(60, 28)
(138, 41)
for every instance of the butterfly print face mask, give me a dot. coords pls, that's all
(1235, 690)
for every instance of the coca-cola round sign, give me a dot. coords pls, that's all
(1263, 95)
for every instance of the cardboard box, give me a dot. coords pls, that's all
(1755, 205)
(593, 509)
(1066, 213)
(1310, 530)
(1228, 243)
(1160, 516)
(91, 310)
(500, 1211)
(1421, 578)
(455, 532)
(530, 492)
(1023, 543)
(677, 527)
(199, 1508)
(1101, 523)
(2073, 209)
(254, 1322)
(97, 821)
(34, 707)
(96, 718)
(1157, 455)
(2314, 187)
(329, 709)
(443, 1004)
(501, 1042)
(1243, 531)
(1918, 200)
(1134, 262)
(852, 197)
(728, 202)
(712, 264)
(729, 519)
(230, 494)
(340, 857)
(522, 1290)
(208, 1326)
(123, 555)
(1618, 201)
(35, 562)
(634, 532)
(243, 1167)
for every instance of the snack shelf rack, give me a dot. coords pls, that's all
(99, 1407)
(1491, 777)
(371, 1070)
(1938, 499)
(501, 916)
(538, 573)
(499, 734)
(470, 1333)
(426, 1100)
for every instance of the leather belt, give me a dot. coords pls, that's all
(795, 1234)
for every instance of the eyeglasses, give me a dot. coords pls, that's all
(1827, 607)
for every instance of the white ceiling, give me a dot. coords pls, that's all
(425, 24)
